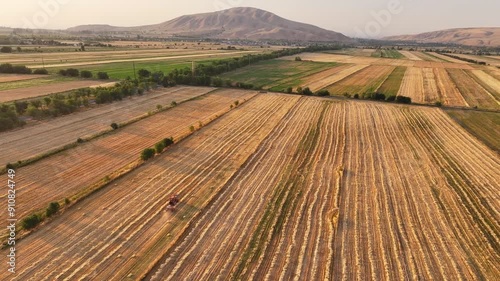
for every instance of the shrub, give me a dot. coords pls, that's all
(323, 93)
(66, 201)
(159, 107)
(191, 128)
(31, 221)
(79, 140)
(144, 73)
(63, 72)
(403, 99)
(86, 74)
(356, 96)
(6, 68)
(173, 104)
(21, 107)
(147, 154)
(168, 141)
(103, 75)
(6, 49)
(306, 91)
(52, 209)
(114, 126)
(159, 147)
(9, 166)
(299, 90)
(41, 71)
(289, 90)
(72, 72)
(438, 104)
(236, 103)
(298, 59)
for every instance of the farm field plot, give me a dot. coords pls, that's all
(170, 57)
(367, 80)
(431, 90)
(26, 83)
(410, 55)
(326, 78)
(450, 95)
(392, 84)
(488, 60)
(483, 125)
(387, 54)
(413, 85)
(17, 77)
(426, 57)
(276, 73)
(324, 57)
(491, 84)
(65, 174)
(44, 90)
(474, 94)
(125, 226)
(329, 210)
(58, 132)
(290, 187)
(423, 218)
(353, 52)
(448, 59)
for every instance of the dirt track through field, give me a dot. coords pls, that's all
(14, 77)
(131, 233)
(66, 174)
(56, 133)
(44, 90)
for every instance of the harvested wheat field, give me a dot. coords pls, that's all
(124, 229)
(332, 210)
(491, 84)
(474, 94)
(56, 133)
(326, 78)
(18, 77)
(44, 90)
(367, 80)
(289, 187)
(431, 91)
(448, 59)
(450, 95)
(73, 171)
(410, 55)
(413, 85)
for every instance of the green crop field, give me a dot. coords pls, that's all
(277, 74)
(484, 125)
(393, 54)
(391, 86)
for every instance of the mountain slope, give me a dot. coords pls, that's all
(235, 23)
(486, 36)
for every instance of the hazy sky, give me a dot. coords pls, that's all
(363, 18)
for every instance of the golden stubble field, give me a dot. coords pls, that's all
(288, 186)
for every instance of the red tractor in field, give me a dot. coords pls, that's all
(172, 202)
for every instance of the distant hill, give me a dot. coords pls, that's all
(235, 23)
(486, 36)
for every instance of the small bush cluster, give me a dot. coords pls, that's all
(31, 221)
(14, 69)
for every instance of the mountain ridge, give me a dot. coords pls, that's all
(235, 23)
(472, 36)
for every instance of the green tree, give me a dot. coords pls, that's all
(143, 73)
(103, 75)
(52, 209)
(86, 74)
(30, 222)
(6, 49)
(147, 154)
